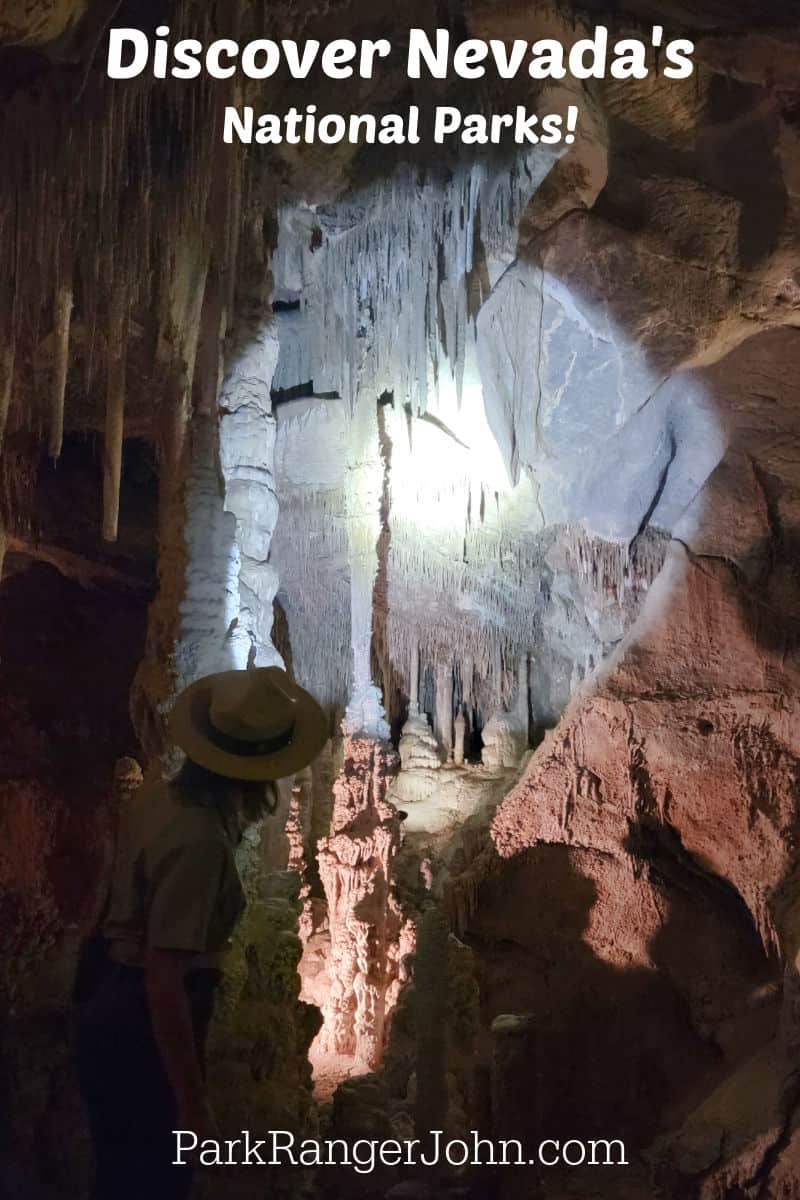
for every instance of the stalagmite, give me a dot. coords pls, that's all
(63, 316)
(443, 716)
(115, 413)
(459, 733)
(356, 869)
(6, 385)
(417, 747)
(505, 736)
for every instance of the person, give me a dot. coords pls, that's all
(174, 901)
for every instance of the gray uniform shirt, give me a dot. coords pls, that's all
(175, 883)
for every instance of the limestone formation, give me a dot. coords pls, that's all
(459, 736)
(505, 736)
(356, 864)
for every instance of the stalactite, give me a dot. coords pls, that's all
(62, 309)
(122, 159)
(6, 385)
(393, 285)
(233, 232)
(115, 412)
(614, 568)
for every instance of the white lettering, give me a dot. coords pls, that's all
(187, 56)
(468, 57)
(117, 40)
(224, 47)
(300, 66)
(574, 1162)
(609, 1162)
(593, 49)
(552, 1162)
(288, 1140)
(336, 55)
(548, 60)
(180, 1135)
(448, 120)
(508, 65)
(369, 52)
(419, 48)
(630, 61)
(241, 125)
(677, 53)
(263, 47)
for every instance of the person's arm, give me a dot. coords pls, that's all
(172, 1027)
(180, 913)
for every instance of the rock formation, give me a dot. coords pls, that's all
(356, 864)
(417, 746)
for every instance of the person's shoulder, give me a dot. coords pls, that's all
(193, 838)
(190, 822)
(151, 795)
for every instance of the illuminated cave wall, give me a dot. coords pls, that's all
(548, 489)
(516, 455)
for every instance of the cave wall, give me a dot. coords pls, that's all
(634, 548)
(73, 632)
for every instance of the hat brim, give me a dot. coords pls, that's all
(190, 728)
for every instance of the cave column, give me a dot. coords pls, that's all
(443, 716)
(356, 859)
(364, 490)
(413, 683)
(521, 707)
(214, 610)
(246, 451)
(207, 639)
(460, 737)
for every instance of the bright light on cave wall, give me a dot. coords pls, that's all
(573, 432)
(439, 459)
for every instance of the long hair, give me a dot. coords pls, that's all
(192, 777)
(257, 798)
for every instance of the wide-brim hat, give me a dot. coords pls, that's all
(252, 725)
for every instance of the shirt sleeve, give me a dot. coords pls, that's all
(185, 895)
